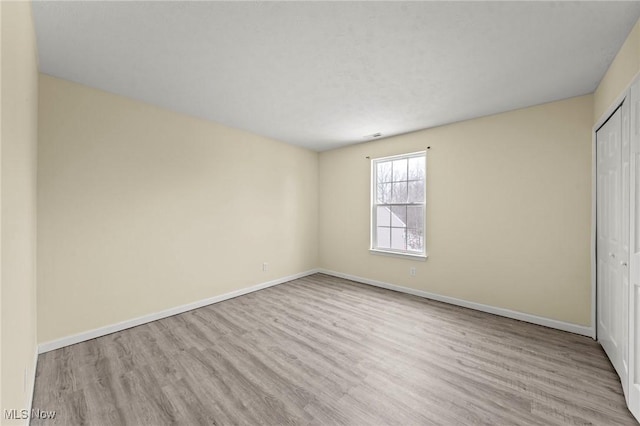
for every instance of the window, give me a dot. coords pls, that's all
(398, 204)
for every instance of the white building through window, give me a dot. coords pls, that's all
(398, 204)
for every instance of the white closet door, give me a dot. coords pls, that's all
(612, 300)
(633, 394)
(623, 253)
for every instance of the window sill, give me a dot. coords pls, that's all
(419, 257)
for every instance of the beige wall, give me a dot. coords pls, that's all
(621, 72)
(508, 210)
(18, 139)
(141, 209)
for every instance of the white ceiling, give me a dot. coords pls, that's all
(325, 74)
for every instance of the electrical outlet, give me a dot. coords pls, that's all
(412, 271)
(265, 267)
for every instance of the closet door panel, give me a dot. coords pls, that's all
(610, 250)
(633, 391)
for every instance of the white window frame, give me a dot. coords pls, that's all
(373, 225)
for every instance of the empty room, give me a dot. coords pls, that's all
(319, 213)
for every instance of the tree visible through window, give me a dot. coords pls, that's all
(398, 204)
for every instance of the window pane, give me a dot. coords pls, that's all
(399, 192)
(416, 191)
(399, 216)
(383, 216)
(383, 239)
(399, 203)
(415, 217)
(384, 193)
(415, 241)
(383, 173)
(398, 238)
(416, 168)
(399, 170)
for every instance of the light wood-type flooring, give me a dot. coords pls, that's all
(322, 350)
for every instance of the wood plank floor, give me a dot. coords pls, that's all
(322, 350)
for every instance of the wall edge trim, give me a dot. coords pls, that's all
(123, 325)
(34, 368)
(588, 331)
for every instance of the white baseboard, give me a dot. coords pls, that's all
(534, 319)
(103, 331)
